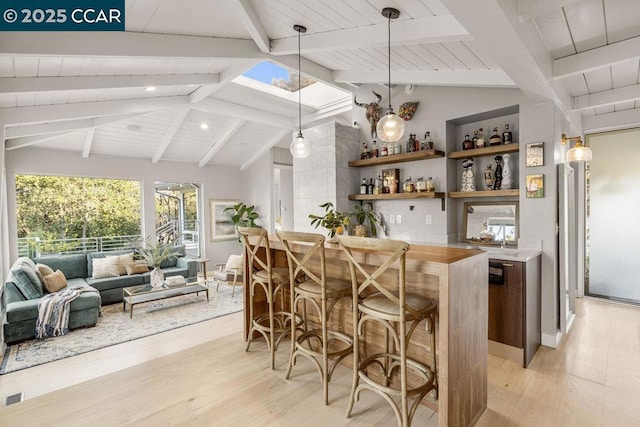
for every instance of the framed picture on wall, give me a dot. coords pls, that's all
(222, 227)
(535, 186)
(535, 154)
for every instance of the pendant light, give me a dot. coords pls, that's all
(579, 153)
(300, 147)
(391, 127)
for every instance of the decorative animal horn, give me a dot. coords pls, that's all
(359, 104)
(377, 96)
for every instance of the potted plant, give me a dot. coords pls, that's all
(365, 215)
(333, 220)
(243, 215)
(154, 255)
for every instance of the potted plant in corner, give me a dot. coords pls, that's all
(154, 255)
(333, 220)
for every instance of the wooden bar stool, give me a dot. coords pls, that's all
(398, 313)
(272, 325)
(319, 344)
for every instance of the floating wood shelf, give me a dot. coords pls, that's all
(489, 193)
(396, 158)
(399, 196)
(485, 151)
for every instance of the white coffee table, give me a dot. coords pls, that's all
(144, 293)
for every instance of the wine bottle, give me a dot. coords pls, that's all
(363, 186)
(370, 186)
(507, 136)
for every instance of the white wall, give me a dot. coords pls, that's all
(257, 188)
(217, 182)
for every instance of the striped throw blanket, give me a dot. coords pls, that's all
(53, 312)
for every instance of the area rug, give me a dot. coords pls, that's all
(115, 327)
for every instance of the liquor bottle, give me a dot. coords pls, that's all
(495, 138)
(397, 148)
(408, 186)
(363, 186)
(383, 150)
(411, 144)
(385, 185)
(374, 148)
(428, 142)
(377, 188)
(431, 186)
(475, 138)
(370, 186)
(418, 146)
(363, 151)
(507, 136)
(482, 140)
(467, 144)
(421, 185)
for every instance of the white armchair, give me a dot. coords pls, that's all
(231, 271)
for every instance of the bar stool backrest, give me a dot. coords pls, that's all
(395, 252)
(253, 239)
(298, 262)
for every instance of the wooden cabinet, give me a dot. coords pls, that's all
(514, 305)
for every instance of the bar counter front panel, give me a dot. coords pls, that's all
(457, 280)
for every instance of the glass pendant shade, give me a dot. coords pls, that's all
(390, 128)
(300, 147)
(579, 153)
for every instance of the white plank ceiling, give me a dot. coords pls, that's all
(54, 88)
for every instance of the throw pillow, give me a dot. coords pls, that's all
(123, 260)
(55, 281)
(44, 269)
(27, 281)
(137, 267)
(105, 267)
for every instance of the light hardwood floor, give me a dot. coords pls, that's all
(200, 375)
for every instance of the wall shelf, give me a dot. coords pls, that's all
(485, 151)
(396, 158)
(399, 196)
(489, 193)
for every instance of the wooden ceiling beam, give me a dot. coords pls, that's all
(529, 9)
(611, 121)
(431, 29)
(606, 97)
(594, 59)
(266, 147)
(67, 125)
(247, 14)
(478, 78)
(217, 146)
(15, 85)
(171, 132)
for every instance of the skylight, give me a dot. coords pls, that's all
(279, 81)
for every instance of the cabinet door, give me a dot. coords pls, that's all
(506, 306)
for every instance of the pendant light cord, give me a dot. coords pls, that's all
(389, 51)
(299, 91)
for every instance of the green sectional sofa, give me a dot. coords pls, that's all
(23, 289)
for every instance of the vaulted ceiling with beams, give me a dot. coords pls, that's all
(87, 92)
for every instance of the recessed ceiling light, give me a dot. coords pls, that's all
(133, 128)
(204, 126)
(150, 88)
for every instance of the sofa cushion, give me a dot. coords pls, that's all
(44, 269)
(115, 282)
(179, 251)
(123, 261)
(55, 281)
(105, 267)
(28, 310)
(137, 267)
(26, 280)
(72, 265)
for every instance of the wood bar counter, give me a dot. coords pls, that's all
(457, 280)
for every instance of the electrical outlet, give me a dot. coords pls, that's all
(392, 219)
(399, 219)
(428, 219)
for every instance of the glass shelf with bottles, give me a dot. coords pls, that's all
(385, 154)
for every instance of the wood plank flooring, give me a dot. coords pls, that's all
(200, 375)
